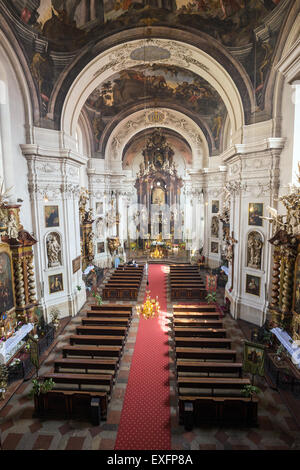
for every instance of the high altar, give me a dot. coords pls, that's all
(158, 184)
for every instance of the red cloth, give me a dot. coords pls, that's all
(145, 419)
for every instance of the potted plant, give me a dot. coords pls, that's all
(98, 298)
(250, 390)
(54, 314)
(3, 380)
(40, 387)
(211, 297)
(279, 353)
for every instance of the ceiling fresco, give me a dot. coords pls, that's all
(156, 82)
(54, 33)
(75, 21)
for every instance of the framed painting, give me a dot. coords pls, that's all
(252, 285)
(296, 294)
(215, 207)
(51, 216)
(55, 283)
(7, 299)
(214, 247)
(100, 247)
(255, 213)
(76, 263)
(254, 358)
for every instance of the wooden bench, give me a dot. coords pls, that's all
(195, 342)
(195, 308)
(209, 368)
(71, 404)
(180, 292)
(98, 320)
(101, 330)
(197, 315)
(119, 293)
(85, 365)
(92, 351)
(99, 340)
(85, 382)
(186, 385)
(206, 354)
(108, 314)
(196, 323)
(112, 308)
(196, 411)
(205, 332)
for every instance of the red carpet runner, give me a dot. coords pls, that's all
(145, 419)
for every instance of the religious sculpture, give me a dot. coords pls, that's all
(255, 245)
(113, 244)
(12, 226)
(100, 227)
(215, 227)
(53, 250)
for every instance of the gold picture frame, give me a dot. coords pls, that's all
(55, 283)
(7, 285)
(253, 285)
(255, 212)
(51, 216)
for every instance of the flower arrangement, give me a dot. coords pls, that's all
(41, 387)
(54, 314)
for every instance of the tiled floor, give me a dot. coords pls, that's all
(19, 430)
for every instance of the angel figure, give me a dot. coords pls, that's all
(276, 219)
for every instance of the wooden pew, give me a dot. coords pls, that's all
(196, 411)
(209, 368)
(71, 404)
(199, 315)
(195, 342)
(99, 340)
(101, 330)
(112, 308)
(85, 382)
(180, 292)
(85, 365)
(98, 320)
(195, 308)
(196, 323)
(205, 332)
(108, 314)
(186, 385)
(120, 293)
(92, 351)
(205, 354)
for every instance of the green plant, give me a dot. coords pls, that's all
(78, 288)
(249, 390)
(98, 298)
(280, 351)
(211, 297)
(41, 387)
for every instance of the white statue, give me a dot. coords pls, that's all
(12, 226)
(53, 251)
(255, 246)
(100, 227)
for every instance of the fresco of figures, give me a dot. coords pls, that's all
(168, 83)
(73, 19)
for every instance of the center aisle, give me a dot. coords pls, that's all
(145, 418)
